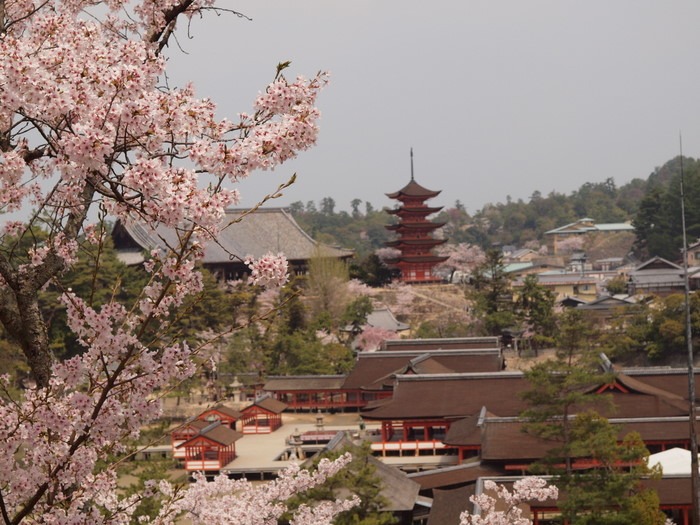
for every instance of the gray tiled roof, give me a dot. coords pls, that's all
(384, 318)
(267, 230)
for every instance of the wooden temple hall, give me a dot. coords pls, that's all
(373, 376)
(447, 412)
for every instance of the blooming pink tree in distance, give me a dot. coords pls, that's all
(497, 496)
(570, 244)
(372, 337)
(88, 128)
(462, 257)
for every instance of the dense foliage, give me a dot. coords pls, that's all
(658, 221)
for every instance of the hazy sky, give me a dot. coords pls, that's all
(496, 98)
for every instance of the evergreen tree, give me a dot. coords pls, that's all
(658, 222)
(535, 304)
(491, 295)
(560, 387)
(610, 492)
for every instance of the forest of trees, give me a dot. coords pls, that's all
(651, 204)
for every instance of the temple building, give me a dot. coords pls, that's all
(415, 240)
(243, 233)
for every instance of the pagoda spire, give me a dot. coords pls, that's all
(412, 164)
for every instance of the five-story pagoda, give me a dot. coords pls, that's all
(415, 240)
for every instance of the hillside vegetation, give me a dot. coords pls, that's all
(652, 204)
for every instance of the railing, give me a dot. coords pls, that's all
(408, 446)
(202, 465)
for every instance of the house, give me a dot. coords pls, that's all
(373, 377)
(382, 320)
(661, 277)
(565, 284)
(606, 308)
(263, 416)
(257, 233)
(511, 254)
(489, 442)
(211, 449)
(694, 254)
(589, 232)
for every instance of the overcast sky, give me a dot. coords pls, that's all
(496, 98)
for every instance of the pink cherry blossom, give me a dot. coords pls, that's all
(89, 127)
(495, 496)
(269, 270)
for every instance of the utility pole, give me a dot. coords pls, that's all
(694, 474)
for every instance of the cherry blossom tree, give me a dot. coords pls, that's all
(525, 490)
(372, 337)
(462, 257)
(88, 128)
(570, 245)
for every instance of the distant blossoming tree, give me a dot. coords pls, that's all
(88, 128)
(462, 257)
(387, 253)
(372, 338)
(570, 244)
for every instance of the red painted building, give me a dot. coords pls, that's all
(415, 234)
(221, 413)
(211, 449)
(262, 417)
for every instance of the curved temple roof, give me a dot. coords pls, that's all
(266, 230)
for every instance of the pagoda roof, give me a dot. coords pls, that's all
(417, 259)
(415, 242)
(413, 189)
(408, 226)
(427, 210)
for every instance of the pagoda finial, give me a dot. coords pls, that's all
(411, 163)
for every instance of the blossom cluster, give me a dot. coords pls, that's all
(107, 128)
(86, 122)
(269, 270)
(237, 502)
(525, 490)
